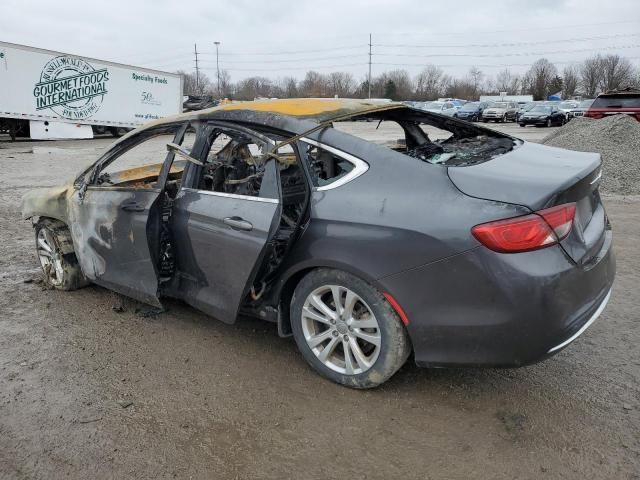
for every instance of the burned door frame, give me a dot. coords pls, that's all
(221, 238)
(110, 225)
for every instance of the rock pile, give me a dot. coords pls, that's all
(616, 138)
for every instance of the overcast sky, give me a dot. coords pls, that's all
(288, 37)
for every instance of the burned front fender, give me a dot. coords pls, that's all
(48, 202)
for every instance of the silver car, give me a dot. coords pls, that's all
(500, 112)
(444, 108)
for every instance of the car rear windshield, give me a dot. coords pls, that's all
(617, 101)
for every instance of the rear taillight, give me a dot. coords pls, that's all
(529, 232)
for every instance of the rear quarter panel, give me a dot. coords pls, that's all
(400, 214)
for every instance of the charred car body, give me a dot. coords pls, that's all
(476, 250)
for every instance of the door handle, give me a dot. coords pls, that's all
(132, 207)
(238, 223)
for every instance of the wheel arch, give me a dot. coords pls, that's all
(288, 281)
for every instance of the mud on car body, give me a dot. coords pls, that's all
(479, 249)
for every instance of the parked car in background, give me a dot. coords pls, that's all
(511, 262)
(543, 116)
(524, 107)
(580, 109)
(625, 101)
(471, 111)
(567, 106)
(500, 112)
(444, 108)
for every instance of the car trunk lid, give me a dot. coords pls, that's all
(539, 177)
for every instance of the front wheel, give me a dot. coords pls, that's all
(548, 124)
(54, 248)
(346, 330)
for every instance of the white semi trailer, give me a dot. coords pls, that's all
(51, 95)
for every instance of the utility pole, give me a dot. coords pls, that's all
(369, 82)
(218, 69)
(195, 50)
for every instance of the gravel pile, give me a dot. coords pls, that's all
(616, 138)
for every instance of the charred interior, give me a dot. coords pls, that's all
(467, 145)
(242, 165)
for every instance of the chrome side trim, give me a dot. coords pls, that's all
(232, 195)
(585, 326)
(360, 166)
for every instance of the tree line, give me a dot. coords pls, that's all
(596, 74)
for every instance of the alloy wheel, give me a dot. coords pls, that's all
(341, 329)
(50, 258)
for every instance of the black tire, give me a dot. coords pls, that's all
(395, 346)
(70, 276)
(522, 124)
(118, 131)
(549, 123)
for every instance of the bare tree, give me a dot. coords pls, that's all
(475, 78)
(402, 81)
(570, 80)
(341, 84)
(192, 85)
(226, 87)
(507, 82)
(254, 87)
(540, 77)
(461, 88)
(590, 75)
(429, 83)
(313, 85)
(617, 73)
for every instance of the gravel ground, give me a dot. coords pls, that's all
(86, 392)
(616, 138)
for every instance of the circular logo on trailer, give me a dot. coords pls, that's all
(71, 87)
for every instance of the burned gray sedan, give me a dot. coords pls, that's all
(460, 244)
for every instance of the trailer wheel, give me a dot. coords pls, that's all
(117, 131)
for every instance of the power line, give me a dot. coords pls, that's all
(479, 65)
(536, 29)
(251, 62)
(516, 54)
(297, 52)
(511, 44)
(317, 67)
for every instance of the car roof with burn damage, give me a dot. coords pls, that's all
(307, 111)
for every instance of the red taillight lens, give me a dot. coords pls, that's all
(529, 232)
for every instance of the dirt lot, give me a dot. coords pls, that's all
(86, 392)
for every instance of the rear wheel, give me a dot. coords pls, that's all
(548, 124)
(346, 330)
(54, 248)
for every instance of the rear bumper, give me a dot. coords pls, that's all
(482, 308)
